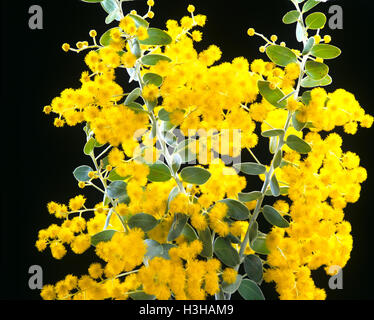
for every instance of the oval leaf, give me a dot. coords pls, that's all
(152, 78)
(206, 238)
(316, 70)
(152, 59)
(159, 172)
(273, 217)
(102, 236)
(251, 168)
(89, 146)
(249, 290)
(259, 245)
(272, 95)
(297, 144)
(195, 175)
(236, 209)
(253, 267)
(251, 196)
(176, 229)
(281, 56)
(81, 173)
(225, 252)
(144, 221)
(117, 189)
(189, 233)
(156, 37)
(325, 51)
(308, 46)
(291, 17)
(139, 21)
(133, 95)
(233, 287)
(315, 20)
(310, 4)
(274, 186)
(308, 82)
(272, 133)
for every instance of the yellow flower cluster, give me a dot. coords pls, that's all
(340, 108)
(183, 276)
(318, 235)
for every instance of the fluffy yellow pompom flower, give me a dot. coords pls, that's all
(150, 92)
(229, 275)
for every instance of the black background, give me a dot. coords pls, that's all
(38, 159)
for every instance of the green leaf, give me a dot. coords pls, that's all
(225, 252)
(296, 123)
(152, 78)
(153, 59)
(283, 190)
(300, 34)
(281, 56)
(273, 217)
(236, 209)
(139, 21)
(177, 226)
(81, 173)
(315, 20)
(135, 49)
(308, 82)
(316, 70)
(206, 238)
(111, 5)
(133, 95)
(306, 97)
(291, 17)
(253, 267)
(184, 151)
(272, 95)
(173, 193)
(233, 287)
(92, 1)
(141, 296)
(159, 172)
(273, 143)
(310, 4)
(89, 146)
(144, 221)
(195, 175)
(259, 245)
(308, 46)
(272, 133)
(114, 176)
(274, 186)
(105, 38)
(325, 51)
(277, 159)
(164, 115)
(250, 168)
(189, 233)
(136, 107)
(156, 37)
(253, 232)
(155, 249)
(251, 196)
(249, 290)
(112, 16)
(102, 236)
(176, 162)
(297, 144)
(117, 189)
